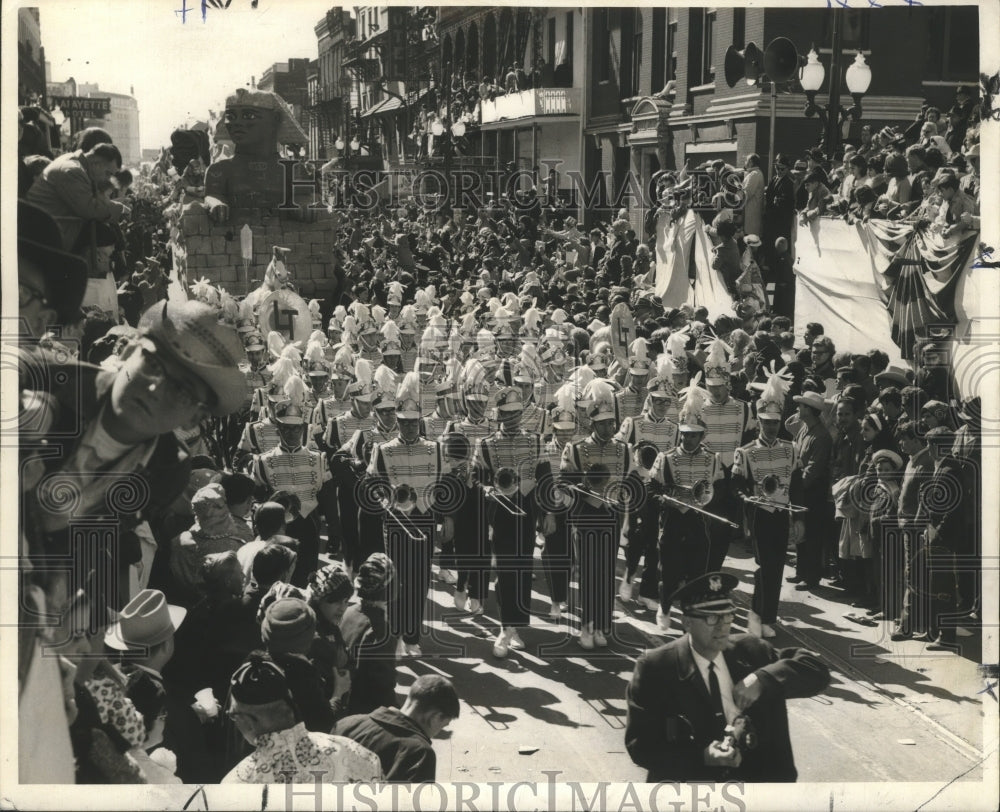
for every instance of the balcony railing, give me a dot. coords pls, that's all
(542, 101)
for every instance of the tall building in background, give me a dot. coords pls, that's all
(288, 80)
(30, 58)
(123, 125)
(330, 86)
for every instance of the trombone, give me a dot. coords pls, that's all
(769, 485)
(701, 491)
(507, 483)
(402, 494)
(594, 476)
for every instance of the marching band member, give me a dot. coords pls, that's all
(535, 418)
(462, 510)
(391, 349)
(336, 402)
(409, 465)
(632, 398)
(556, 557)
(728, 421)
(506, 463)
(407, 322)
(687, 474)
(654, 424)
(764, 469)
(592, 464)
(319, 376)
(475, 396)
(297, 469)
(262, 435)
(676, 349)
(580, 379)
(257, 374)
(553, 359)
(335, 327)
(361, 391)
(433, 425)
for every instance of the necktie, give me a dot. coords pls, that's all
(713, 688)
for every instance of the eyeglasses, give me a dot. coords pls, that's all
(176, 390)
(246, 115)
(713, 619)
(27, 294)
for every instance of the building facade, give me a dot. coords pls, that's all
(288, 80)
(329, 84)
(657, 96)
(30, 58)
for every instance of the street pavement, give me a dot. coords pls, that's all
(893, 711)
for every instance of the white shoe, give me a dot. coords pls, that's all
(500, 647)
(514, 640)
(663, 619)
(413, 650)
(475, 607)
(448, 576)
(400, 648)
(555, 613)
(586, 640)
(461, 598)
(754, 624)
(649, 603)
(625, 591)
(767, 632)
(600, 640)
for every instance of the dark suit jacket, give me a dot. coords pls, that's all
(670, 715)
(400, 743)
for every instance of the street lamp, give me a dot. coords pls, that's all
(857, 78)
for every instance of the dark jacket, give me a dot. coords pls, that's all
(78, 393)
(671, 718)
(400, 743)
(373, 648)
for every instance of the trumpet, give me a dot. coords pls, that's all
(391, 502)
(506, 486)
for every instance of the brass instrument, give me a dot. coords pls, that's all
(701, 492)
(506, 486)
(594, 482)
(770, 485)
(397, 505)
(646, 453)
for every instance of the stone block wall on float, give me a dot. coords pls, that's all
(213, 251)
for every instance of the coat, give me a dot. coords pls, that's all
(671, 719)
(400, 743)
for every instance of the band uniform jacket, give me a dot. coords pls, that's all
(756, 461)
(341, 428)
(671, 721)
(726, 425)
(519, 450)
(418, 464)
(301, 471)
(661, 433)
(433, 425)
(677, 468)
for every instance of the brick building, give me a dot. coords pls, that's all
(329, 84)
(633, 128)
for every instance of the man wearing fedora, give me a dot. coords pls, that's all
(144, 632)
(182, 366)
(813, 447)
(689, 700)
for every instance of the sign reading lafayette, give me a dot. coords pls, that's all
(81, 105)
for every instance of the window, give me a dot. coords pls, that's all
(952, 44)
(569, 44)
(670, 72)
(551, 55)
(602, 45)
(636, 53)
(739, 27)
(854, 29)
(659, 50)
(708, 46)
